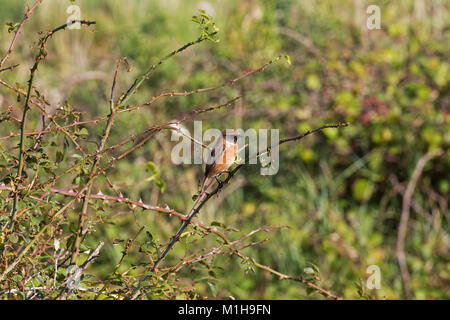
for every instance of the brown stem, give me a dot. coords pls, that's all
(40, 56)
(204, 197)
(403, 225)
(16, 34)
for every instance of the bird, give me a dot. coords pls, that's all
(220, 163)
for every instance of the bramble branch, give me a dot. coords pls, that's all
(40, 56)
(17, 32)
(204, 196)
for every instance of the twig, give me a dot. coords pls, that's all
(227, 83)
(57, 128)
(68, 204)
(73, 282)
(312, 131)
(230, 82)
(149, 132)
(9, 68)
(146, 75)
(283, 276)
(124, 59)
(85, 201)
(397, 187)
(40, 56)
(204, 197)
(94, 255)
(403, 225)
(307, 43)
(201, 200)
(13, 41)
(124, 254)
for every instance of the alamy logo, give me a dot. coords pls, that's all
(75, 14)
(374, 280)
(227, 146)
(374, 20)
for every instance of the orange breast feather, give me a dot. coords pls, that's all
(227, 159)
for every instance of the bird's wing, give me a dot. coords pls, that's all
(217, 146)
(212, 157)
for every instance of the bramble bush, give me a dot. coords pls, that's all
(89, 200)
(44, 251)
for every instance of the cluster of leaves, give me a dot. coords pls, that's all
(208, 28)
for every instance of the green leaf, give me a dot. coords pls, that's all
(213, 289)
(218, 224)
(83, 131)
(208, 29)
(212, 273)
(313, 82)
(161, 184)
(316, 268)
(13, 238)
(362, 189)
(78, 180)
(12, 26)
(73, 228)
(152, 167)
(309, 290)
(308, 270)
(83, 247)
(59, 156)
(288, 59)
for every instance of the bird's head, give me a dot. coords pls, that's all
(230, 135)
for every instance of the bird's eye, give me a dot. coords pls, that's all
(235, 139)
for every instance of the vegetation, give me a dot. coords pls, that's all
(89, 198)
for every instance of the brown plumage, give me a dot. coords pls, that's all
(224, 159)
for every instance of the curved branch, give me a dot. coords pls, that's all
(403, 225)
(204, 196)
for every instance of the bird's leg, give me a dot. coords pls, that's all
(220, 184)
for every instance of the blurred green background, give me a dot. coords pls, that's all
(340, 190)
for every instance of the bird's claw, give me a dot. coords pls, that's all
(219, 184)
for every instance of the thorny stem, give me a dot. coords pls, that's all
(230, 82)
(16, 34)
(124, 254)
(138, 82)
(85, 191)
(40, 56)
(204, 197)
(85, 201)
(113, 110)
